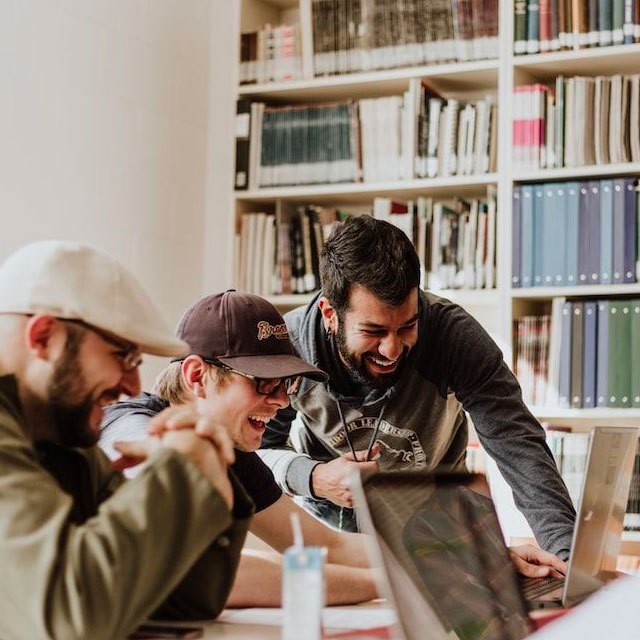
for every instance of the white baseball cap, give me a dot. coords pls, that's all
(76, 282)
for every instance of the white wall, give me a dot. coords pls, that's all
(103, 134)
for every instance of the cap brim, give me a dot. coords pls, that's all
(169, 347)
(275, 366)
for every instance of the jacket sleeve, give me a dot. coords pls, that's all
(101, 579)
(292, 470)
(488, 390)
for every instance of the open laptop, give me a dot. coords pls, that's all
(599, 522)
(449, 574)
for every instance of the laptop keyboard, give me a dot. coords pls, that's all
(533, 588)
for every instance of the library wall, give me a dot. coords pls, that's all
(103, 122)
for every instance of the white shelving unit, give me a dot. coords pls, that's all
(496, 309)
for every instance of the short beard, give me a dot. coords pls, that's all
(71, 419)
(357, 366)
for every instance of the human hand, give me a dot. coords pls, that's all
(533, 562)
(199, 449)
(189, 416)
(331, 480)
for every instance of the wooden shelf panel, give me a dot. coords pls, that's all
(290, 300)
(586, 415)
(569, 173)
(589, 62)
(470, 297)
(366, 191)
(463, 76)
(587, 290)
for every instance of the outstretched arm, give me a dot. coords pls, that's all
(259, 582)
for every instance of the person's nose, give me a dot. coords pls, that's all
(279, 398)
(390, 347)
(131, 384)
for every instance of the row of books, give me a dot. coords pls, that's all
(392, 138)
(272, 54)
(570, 451)
(575, 233)
(281, 257)
(582, 355)
(362, 35)
(581, 121)
(551, 25)
(455, 241)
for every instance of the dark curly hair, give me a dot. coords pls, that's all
(373, 254)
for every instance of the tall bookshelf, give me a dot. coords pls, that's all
(498, 308)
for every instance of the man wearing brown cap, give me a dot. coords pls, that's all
(85, 554)
(241, 370)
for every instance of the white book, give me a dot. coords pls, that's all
(615, 110)
(470, 138)
(553, 385)
(436, 252)
(256, 244)
(490, 262)
(268, 256)
(244, 251)
(481, 248)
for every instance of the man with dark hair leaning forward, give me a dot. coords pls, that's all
(403, 367)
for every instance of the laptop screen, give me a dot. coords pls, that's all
(444, 534)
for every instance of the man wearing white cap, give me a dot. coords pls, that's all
(84, 553)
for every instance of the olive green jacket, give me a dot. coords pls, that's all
(85, 553)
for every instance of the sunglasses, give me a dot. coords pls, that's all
(264, 386)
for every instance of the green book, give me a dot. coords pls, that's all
(635, 349)
(520, 26)
(620, 353)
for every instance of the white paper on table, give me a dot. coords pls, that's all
(610, 613)
(332, 617)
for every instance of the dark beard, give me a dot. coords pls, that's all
(71, 421)
(357, 367)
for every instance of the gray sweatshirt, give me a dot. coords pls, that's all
(454, 367)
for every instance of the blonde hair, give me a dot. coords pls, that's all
(171, 386)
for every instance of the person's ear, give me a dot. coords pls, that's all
(329, 315)
(194, 371)
(44, 336)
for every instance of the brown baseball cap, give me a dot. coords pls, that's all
(245, 332)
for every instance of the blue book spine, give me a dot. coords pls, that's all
(584, 228)
(593, 237)
(558, 265)
(572, 209)
(565, 355)
(550, 247)
(602, 375)
(538, 235)
(606, 231)
(618, 231)
(526, 237)
(630, 230)
(589, 345)
(515, 238)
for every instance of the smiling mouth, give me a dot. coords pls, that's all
(259, 422)
(382, 365)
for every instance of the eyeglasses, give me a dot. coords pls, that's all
(129, 355)
(264, 386)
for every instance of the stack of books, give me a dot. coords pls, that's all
(581, 121)
(584, 355)
(419, 134)
(272, 54)
(551, 25)
(362, 35)
(575, 233)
